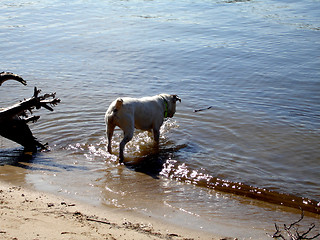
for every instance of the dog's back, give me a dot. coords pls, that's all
(142, 112)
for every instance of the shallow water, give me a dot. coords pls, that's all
(255, 62)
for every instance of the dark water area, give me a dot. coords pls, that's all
(251, 159)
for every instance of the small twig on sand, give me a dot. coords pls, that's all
(202, 109)
(98, 221)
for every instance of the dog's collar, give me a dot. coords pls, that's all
(166, 107)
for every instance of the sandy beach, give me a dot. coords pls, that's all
(28, 214)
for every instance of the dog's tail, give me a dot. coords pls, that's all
(119, 103)
(113, 110)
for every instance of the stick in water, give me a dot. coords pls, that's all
(202, 109)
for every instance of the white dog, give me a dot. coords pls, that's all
(145, 113)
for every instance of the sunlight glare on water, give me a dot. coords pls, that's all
(255, 63)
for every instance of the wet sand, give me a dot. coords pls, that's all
(27, 214)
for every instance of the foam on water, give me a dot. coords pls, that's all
(142, 156)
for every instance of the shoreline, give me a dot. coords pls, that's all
(29, 214)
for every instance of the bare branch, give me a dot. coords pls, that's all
(32, 119)
(20, 109)
(292, 231)
(277, 234)
(314, 237)
(4, 76)
(301, 217)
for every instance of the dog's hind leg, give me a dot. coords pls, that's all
(110, 130)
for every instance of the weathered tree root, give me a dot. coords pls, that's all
(14, 119)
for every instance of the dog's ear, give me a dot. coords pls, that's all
(176, 98)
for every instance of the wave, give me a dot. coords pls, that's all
(180, 172)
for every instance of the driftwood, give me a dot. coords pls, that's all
(14, 119)
(293, 233)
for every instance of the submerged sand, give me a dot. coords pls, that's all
(27, 214)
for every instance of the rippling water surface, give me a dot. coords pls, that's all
(236, 164)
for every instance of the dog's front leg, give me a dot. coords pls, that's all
(156, 135)
(127, 137)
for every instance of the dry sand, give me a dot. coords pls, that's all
(27, 214)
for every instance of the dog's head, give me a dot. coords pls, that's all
(170, 102)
